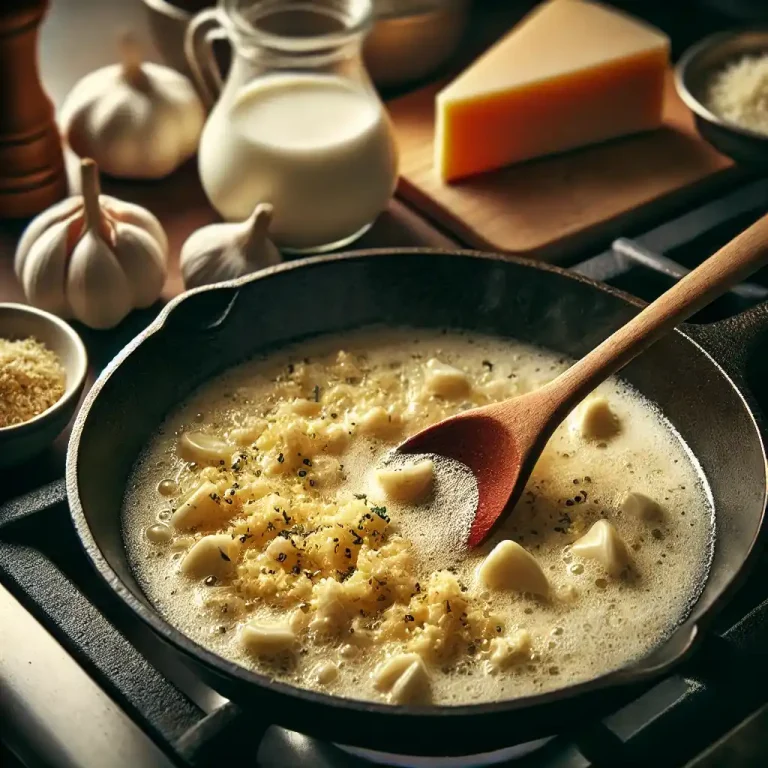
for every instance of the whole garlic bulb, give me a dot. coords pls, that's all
(137, 120)
(221, 252)
(92, 257)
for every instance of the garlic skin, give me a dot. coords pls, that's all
(138, 120)
(92, 257)
(222, 252)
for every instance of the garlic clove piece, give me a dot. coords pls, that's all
(43, 271)
(142, 262)
(377, 422)
(325, 672)
(641, 507)
(202, 507)
(221, 252)
(98, 290)
(206, 258)
(204, 448)
(510, 566)
(410, 483)
(390, 670)
(603, 543)
(405, 678)
(596, 419)
(413, 686)
(256, 246)
(129, 213)
(214, 555)
(445, 380)
(507, 651)
(267, 639)
(65, 210)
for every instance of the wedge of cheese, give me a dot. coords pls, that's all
(569, 74)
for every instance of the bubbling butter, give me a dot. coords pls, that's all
(295, 543)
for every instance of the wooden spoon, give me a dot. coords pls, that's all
(501, 443)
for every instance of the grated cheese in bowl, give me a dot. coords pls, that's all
(739, 93)
(32, 379)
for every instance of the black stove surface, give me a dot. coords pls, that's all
(128, 699)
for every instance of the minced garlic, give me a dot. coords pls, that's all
(739, 93)
(32, 379)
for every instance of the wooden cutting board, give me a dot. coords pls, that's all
(552, 207)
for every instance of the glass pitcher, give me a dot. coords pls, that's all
(297, 123)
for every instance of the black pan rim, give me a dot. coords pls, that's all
(225, 668)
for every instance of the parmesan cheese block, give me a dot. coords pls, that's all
(571, 73)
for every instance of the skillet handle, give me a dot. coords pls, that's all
(741, 257)
(734, 342)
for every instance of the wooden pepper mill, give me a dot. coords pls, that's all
(32, 174)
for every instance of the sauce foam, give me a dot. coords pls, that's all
(591, 624)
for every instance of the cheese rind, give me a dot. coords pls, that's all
(571, 73)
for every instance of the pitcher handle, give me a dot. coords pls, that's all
(202, 30)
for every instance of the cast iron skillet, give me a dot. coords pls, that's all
(211, 329)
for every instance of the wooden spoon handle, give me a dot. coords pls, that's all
(738, 259)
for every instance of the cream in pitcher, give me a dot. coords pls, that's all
(298, 123)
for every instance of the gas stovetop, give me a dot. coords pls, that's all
(82, 685)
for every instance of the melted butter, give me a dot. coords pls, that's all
(591, 623)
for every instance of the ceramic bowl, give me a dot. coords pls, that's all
(695, 70)
(17, 321)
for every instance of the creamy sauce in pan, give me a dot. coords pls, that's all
(302, 432)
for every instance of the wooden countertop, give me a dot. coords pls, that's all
(78, 36)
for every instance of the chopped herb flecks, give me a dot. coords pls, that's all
(381, 512)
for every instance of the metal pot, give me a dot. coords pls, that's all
(401, 48)
(168, 23)
(409, 46)
(208, 330)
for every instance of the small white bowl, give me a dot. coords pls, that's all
(18, 321)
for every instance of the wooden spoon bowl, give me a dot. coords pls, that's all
(502, 442)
